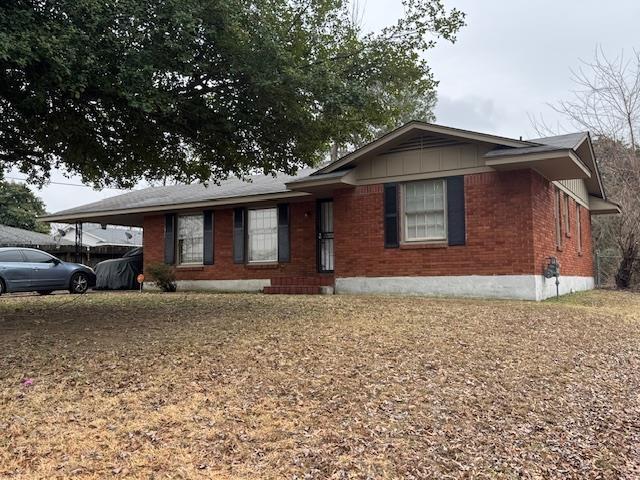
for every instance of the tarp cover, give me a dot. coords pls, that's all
(120, 273)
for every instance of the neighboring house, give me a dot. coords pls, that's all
(63, 246)
(426, 209)
(18, 237)
(100, 236)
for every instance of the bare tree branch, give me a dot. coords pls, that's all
(606, 101)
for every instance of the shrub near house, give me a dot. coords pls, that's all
(163, 276)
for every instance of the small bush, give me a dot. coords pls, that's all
(164, 276)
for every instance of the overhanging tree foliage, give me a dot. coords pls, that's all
(20, 208)
(120, 90)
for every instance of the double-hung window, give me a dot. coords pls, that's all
(190, 239)
(263, 235)
(425, 211)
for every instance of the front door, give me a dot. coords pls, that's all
(325, 236)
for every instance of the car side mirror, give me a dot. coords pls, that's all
(56, 261)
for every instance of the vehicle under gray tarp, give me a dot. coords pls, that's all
(120, 273)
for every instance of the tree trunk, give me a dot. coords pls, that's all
(627, 265)
(334, 152)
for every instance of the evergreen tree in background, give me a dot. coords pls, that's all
(19, 207)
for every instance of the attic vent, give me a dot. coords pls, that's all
(420, 142)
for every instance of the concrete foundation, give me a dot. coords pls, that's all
(518, 287)
(254, 285)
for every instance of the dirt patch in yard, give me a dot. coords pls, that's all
(252, 386)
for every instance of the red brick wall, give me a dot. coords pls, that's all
(509, 224)
(303, 248)
(498, 217)
(571, 261)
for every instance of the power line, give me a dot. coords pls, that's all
(66, 184)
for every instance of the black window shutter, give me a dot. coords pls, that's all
(170, 238)
(239, 220)
(207, 244)
(455, 210)
(284, 242)
(391, 231)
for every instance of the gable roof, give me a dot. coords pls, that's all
(575, 145)
(574, 149)
(578, 143)
(400, 133)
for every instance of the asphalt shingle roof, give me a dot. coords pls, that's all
(171, 195)
(178, 194)
(11, 236)
(570, 141)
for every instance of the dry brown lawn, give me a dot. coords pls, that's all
(249, 386)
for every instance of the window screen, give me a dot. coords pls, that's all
(263, 235)
(190, 239)
(424, 210)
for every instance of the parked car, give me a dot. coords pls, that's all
(120, 273)
(31, 270)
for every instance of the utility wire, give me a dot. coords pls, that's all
(66, 184)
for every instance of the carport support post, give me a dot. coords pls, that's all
(78, 245)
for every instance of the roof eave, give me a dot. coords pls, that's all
(596, 168)
(599, 206)
(561, 164)
(95, 216)
(312, 184)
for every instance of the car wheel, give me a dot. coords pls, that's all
(79, 283)
(44, 292)
(2, 287)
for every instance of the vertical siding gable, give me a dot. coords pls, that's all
(577, 187)
(421, 160)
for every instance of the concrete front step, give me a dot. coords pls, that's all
(293, 290)
(318, 280)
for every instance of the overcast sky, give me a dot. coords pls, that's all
(511, 59)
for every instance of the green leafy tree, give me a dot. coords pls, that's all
(123, 90)
(19, 207)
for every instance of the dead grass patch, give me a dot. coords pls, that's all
(251, 386)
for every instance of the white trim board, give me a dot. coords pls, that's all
(518, 287)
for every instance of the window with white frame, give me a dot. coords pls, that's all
(190, 239)
(425, 211)
(263, 235)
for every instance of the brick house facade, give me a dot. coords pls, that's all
(423, 210)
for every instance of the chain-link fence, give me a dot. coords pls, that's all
(606, 266)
